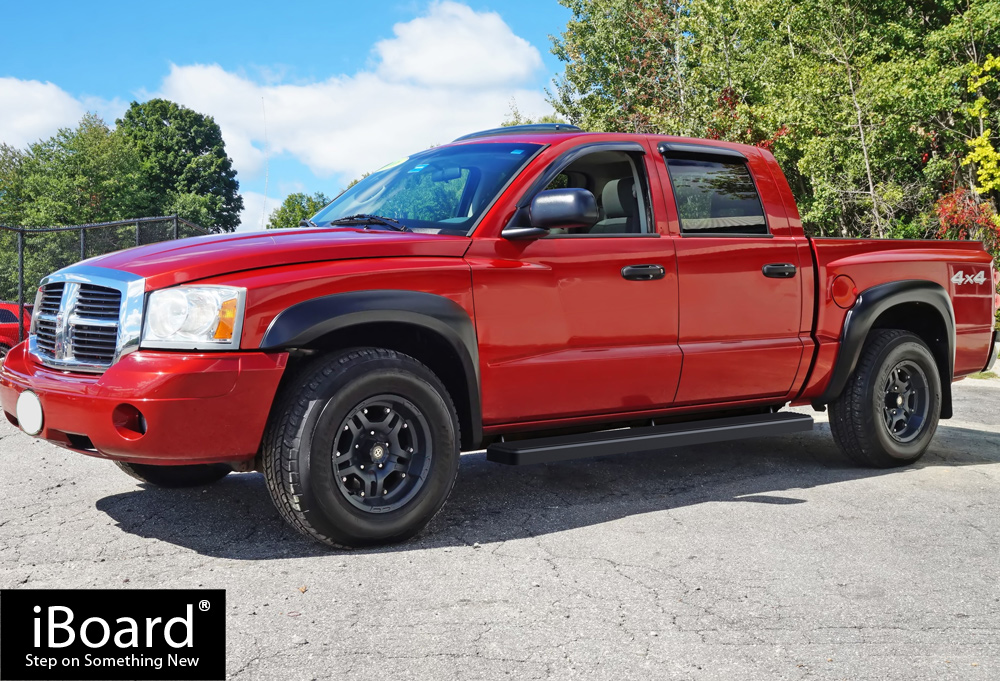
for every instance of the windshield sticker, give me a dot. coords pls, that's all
(518, 151)
(418, 168)
(393, 164)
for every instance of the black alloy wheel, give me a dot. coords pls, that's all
(383, 453)
(906, 403)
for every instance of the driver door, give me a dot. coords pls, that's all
(581, 322)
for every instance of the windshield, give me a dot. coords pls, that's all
(446, 189)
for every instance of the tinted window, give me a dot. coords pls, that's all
(715, 198)
(7, 317)
(619, 187)
(445, 189)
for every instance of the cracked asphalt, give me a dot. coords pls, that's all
(764, 559)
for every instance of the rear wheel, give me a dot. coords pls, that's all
(362, 448)
(176, 476)
(889, 409)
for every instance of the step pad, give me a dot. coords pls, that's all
(608, 442)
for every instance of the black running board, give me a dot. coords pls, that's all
(608, 442)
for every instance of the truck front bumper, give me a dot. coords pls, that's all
(161, 408)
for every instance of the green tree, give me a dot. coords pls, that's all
(515, 117)
(184, 156)
(81, 175)
(296, 207)
(11, 185)
(869, 107)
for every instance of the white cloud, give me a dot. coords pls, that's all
(255, 211)
(446, 73)
(345, 125)
(32, 110)
(457, 47)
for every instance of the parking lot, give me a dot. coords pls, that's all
(769, 559)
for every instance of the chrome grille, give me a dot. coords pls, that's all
(46, 310)
(94, 343)
(97, 302)
(51, 298)
(78, 314)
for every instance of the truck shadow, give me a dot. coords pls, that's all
(493, 503)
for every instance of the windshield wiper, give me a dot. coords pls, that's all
(366, 219)
(306, 222)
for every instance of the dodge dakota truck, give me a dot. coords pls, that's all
(539, 292)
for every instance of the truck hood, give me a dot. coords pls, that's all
(185, 260)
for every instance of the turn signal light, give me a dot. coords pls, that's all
(844, 291)
(227, 320)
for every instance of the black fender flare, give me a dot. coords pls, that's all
(305, 322)
(871, 304)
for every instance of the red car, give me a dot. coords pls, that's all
(8, 327)
(540, 292)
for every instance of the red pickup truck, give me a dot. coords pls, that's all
(536, 291)
(11, 331)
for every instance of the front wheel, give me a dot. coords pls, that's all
(889, 409)
(4, 349)
(362, 448)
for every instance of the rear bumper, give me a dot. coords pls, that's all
(196, 408)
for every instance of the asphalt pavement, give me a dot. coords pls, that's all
(764, 559)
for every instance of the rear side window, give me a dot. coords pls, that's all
(7, 317)
(715, 197)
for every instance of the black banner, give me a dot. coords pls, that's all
(64, 634)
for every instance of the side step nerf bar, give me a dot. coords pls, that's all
(608, 442)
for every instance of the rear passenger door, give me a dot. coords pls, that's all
(738, 271)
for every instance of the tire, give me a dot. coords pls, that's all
(176, 476)
(889, 410)
(4, 349)
(361, 448)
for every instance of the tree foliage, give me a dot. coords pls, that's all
(93, 173)
(185, 167)
(295, 208)
(515, 117)
(875, 110)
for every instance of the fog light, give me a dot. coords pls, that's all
(29, 413)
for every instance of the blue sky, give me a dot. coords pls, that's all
(344, 86)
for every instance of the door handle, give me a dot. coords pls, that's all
(779, 271)
(643, 272)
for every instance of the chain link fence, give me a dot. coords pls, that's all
(27, 254)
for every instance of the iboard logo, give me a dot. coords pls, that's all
(108, 634)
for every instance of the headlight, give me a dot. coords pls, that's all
(194, 317)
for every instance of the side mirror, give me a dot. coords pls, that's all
(566, 208)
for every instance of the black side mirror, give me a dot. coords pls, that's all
(566, 208)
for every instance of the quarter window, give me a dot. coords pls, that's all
(714, 197)
(7, 317)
